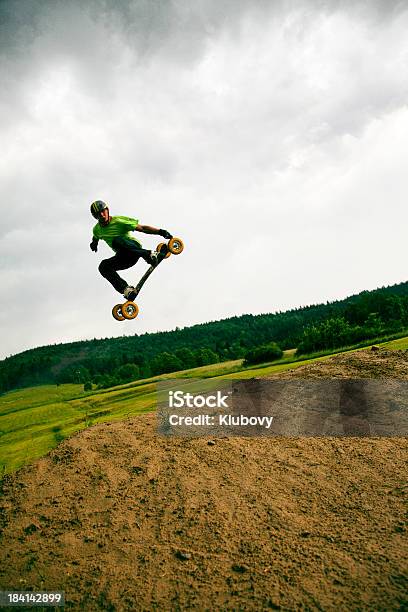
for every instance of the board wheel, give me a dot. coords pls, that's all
(117, 312)
(175, 246)
(130, 310)
(159, 248)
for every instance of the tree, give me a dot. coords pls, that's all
(331, 333)
(127, 372)
(205, 356)
(186, 357)
(264, 353)
(164, 363)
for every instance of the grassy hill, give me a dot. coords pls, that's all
(35, 420)
(368, 314)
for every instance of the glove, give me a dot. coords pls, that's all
(94, 245)
(165, 234)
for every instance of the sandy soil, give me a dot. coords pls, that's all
(122, 519)
(370, 363)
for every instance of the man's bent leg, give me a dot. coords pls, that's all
(122, 244)
(121, 261)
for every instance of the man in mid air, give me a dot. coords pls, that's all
(115, 232)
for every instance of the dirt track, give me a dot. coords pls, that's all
(122, 519)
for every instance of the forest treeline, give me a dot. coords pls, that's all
(110, 361)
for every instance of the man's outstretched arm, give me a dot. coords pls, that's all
(148, 229)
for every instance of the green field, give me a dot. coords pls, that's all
(35, 420)
(396, 345)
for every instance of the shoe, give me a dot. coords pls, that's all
(157, 256)
(154, 258)
(129, 293)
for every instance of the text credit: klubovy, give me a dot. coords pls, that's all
(260, 407)
(188, 413)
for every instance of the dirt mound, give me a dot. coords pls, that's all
(122, 519)
(380, 363)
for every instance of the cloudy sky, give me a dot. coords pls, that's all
(270, 135)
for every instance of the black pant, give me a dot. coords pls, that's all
(127, 254)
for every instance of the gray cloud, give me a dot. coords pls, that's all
(271, 136)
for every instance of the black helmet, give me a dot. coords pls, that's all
(97, 207)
